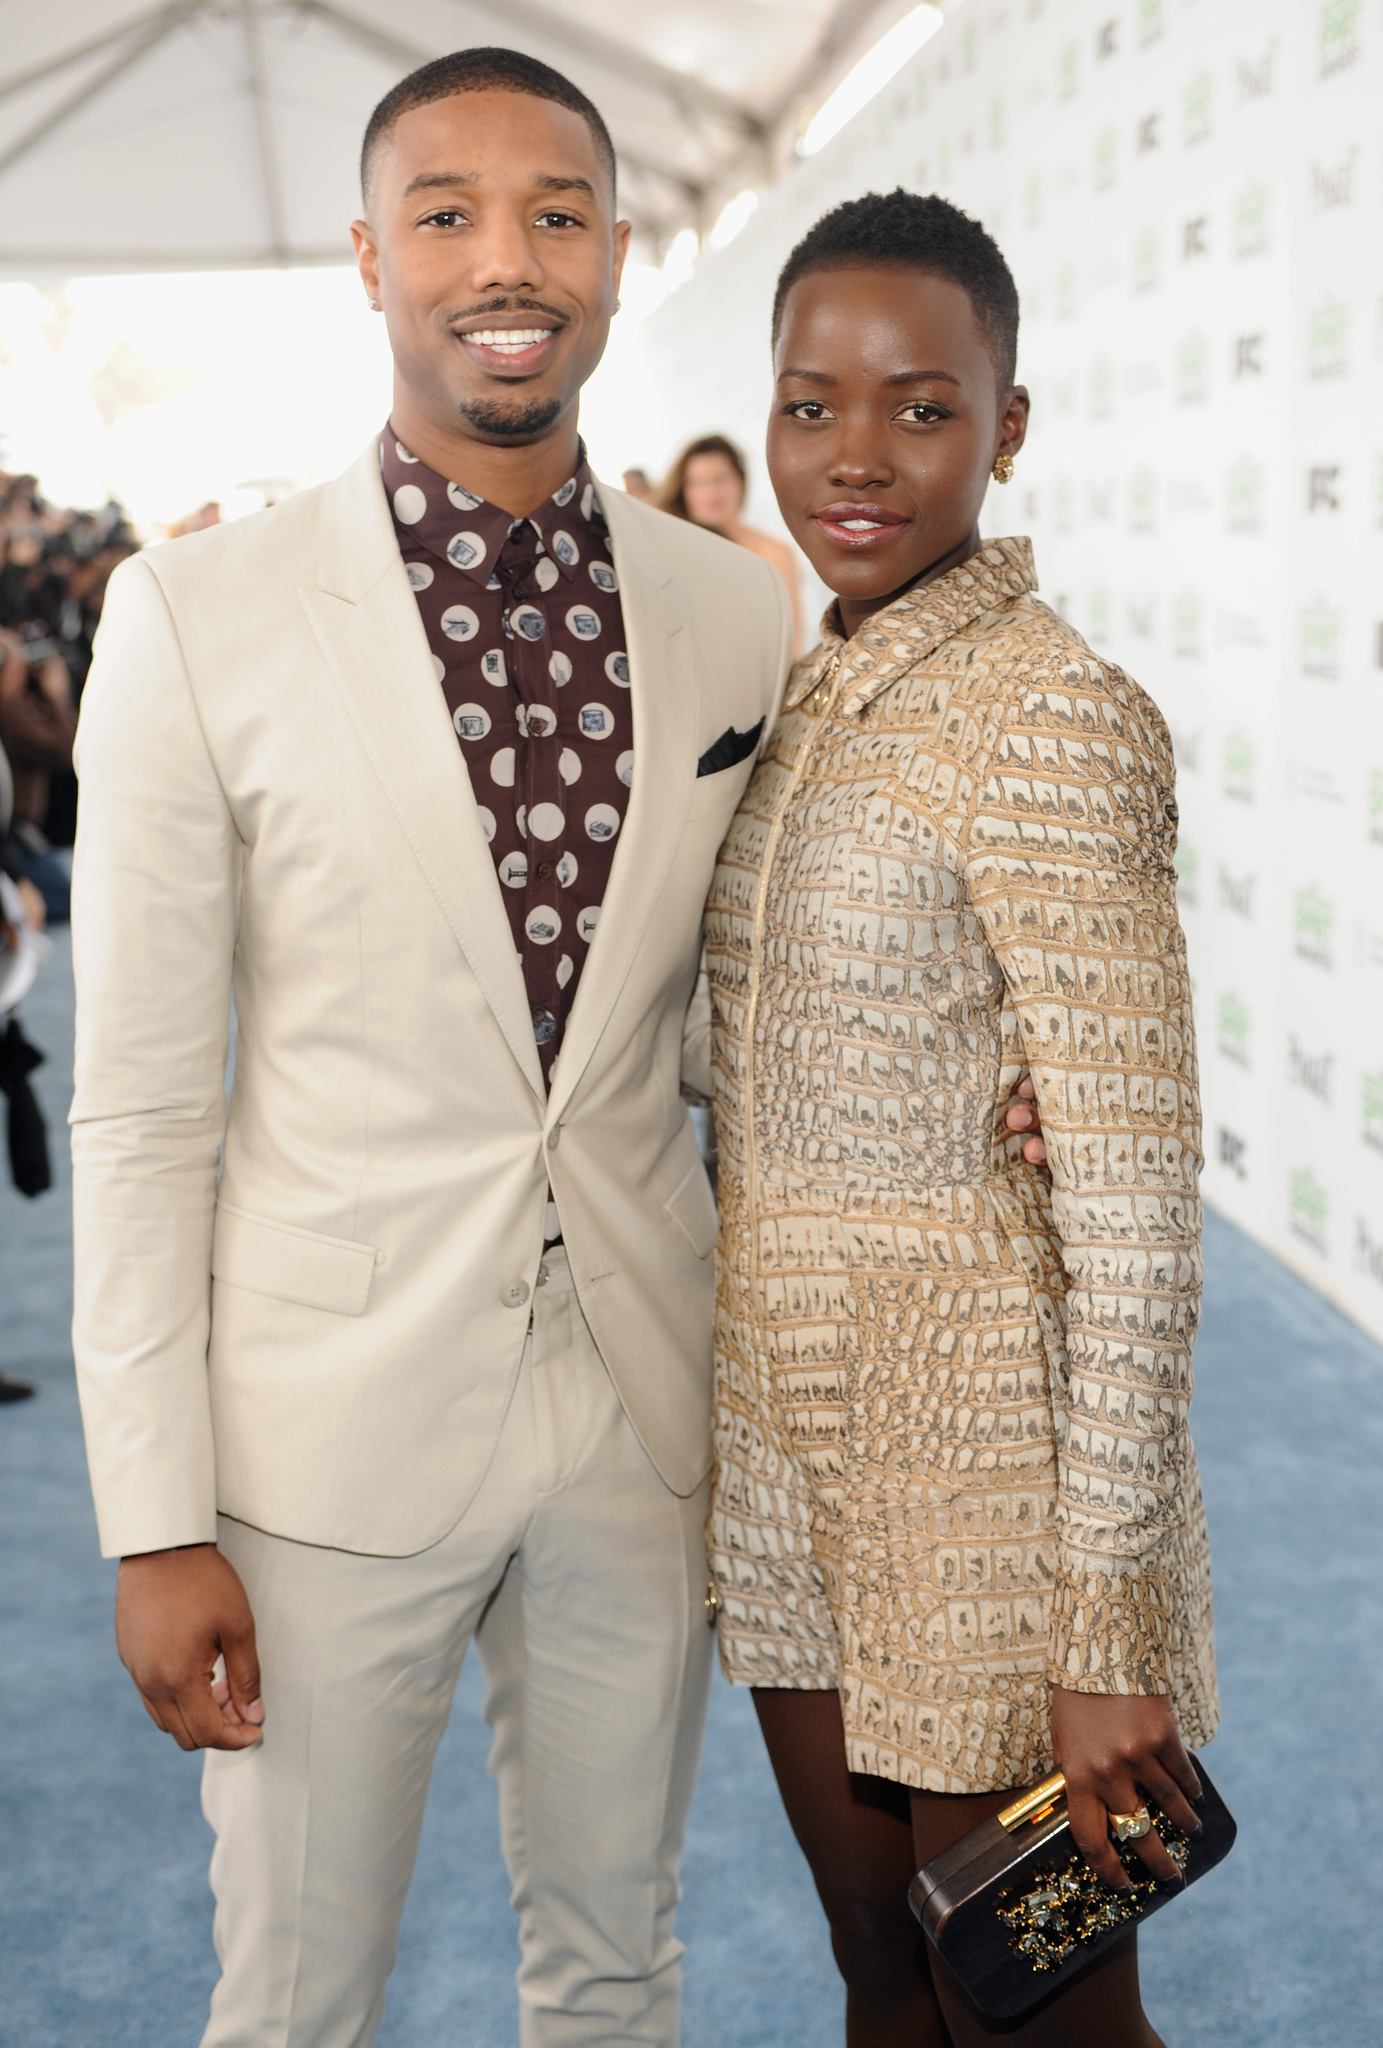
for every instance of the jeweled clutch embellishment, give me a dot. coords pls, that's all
(1017, 1912)
(1061, 1907)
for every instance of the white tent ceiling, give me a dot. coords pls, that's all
(212, 133)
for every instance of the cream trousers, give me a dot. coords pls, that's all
(582, 1579)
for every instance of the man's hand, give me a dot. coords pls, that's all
(1022, 1115)
(176, 1613)
(1116, 1751)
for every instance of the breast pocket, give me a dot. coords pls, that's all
(277, 1259)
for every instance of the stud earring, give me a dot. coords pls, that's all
(374, 305)
(1003, 469)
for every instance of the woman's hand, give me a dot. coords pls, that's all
(1023, 1114)
(1116, 1752)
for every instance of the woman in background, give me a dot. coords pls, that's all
(707, 484)
(956, 1529)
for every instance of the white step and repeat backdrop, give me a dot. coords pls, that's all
(1190, 193)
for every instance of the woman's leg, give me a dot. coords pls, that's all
(1102, 2009)
(856, 1835)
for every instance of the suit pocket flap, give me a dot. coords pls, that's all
(692, 1205)
(292, 1265)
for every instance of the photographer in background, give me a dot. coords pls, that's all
(21, 919)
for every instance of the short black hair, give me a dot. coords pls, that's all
(482, 70)
(914, 231)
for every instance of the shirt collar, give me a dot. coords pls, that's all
(909, 630)
(459, 527)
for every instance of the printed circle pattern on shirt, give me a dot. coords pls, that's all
(524, 625)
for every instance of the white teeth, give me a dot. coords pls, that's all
(511, 338)
(861, 525)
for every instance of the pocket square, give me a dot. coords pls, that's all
(731, 748)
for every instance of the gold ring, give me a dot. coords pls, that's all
(1131, 1827)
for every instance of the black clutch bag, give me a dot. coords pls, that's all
(1015, 1910)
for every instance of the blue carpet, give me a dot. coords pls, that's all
(104, 1915)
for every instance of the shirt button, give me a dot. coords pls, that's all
(543, 870)
(514, 1293)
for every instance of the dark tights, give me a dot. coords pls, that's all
(863, 1838)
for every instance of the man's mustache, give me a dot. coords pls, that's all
(507, 302)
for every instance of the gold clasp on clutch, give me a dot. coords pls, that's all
(1034, 1805)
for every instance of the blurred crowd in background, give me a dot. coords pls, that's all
(54, 566)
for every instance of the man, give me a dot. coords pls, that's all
(428, 768)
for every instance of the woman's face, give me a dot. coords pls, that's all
(887, 418)
(712, 491)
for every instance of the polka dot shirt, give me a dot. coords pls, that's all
(527, 636)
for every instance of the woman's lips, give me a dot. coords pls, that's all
(859, 526)
(514, 348)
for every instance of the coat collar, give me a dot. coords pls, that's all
(911, 629)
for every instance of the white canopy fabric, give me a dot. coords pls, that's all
(208, 134)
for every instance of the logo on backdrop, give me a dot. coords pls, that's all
(1187, 862)
(1246, 490)
(1236, 893)
(1234, 1153)
(1368, 1251)
(1237, 779)
(1333, 185)
(1327, 340)
(1373, 806)
(1337, 35)
(1252, 223)
(1235, 1026)
(1323, 487)
(1308, 1210)
(1371, 1110)
(1321, 634)
(1255, 75)
(1309, 1071)
(1313, 927)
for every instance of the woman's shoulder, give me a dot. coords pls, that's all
(1046, 680)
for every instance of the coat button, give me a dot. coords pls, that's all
(554, 1137)
(514, 1293)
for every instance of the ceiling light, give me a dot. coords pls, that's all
(680, 261)
(733, 217)
(870, 76)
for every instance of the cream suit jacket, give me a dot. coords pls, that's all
(321, 1337)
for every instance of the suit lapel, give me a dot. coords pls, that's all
(661, 677)
(367, 623)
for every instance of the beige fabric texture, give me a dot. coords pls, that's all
(953, 1460)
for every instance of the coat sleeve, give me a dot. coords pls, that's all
(155, 882)
(1068, 862)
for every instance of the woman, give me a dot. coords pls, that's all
(956, 1530)
(707, 484)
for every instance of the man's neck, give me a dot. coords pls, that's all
(517, 478)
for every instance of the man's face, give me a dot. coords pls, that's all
(493, 246)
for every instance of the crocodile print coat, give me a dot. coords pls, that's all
(953, 1463)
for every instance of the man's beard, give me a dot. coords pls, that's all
(514, 422)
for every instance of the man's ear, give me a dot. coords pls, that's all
(366, 257)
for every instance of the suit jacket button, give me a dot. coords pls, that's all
(554, 1137)
(514, 1293)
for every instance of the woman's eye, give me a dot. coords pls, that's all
(807, 409)
(923, 413)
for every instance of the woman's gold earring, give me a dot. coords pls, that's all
(1003, 469)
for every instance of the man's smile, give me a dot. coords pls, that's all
(521, 347)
